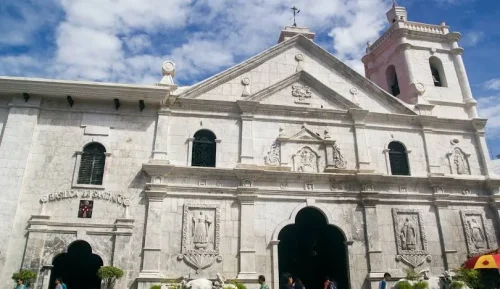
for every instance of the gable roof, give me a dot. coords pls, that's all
(310, 80)
(311, 47)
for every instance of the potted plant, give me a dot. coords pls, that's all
(109, 275)
(27, 276)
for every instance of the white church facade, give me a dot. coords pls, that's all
(288, 162)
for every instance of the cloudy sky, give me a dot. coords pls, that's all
(127, 40)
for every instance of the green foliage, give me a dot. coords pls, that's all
(27, 276)
(109, 275)
(403, 285)
(155, 287)
(421, 285)
(470, 277)
(457, 285)
(412, 275)
(237, 283)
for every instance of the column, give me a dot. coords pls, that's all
(447, 231)
(433, 166)
(44, 278)
(161, 135)
(463, 80)
(484, 159)
(246, 156)
(406, 47)
(247, 234)
(362, 152)
(121, 248)
(153, 238)
(275, 259)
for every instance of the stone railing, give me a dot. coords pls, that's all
(435, 29)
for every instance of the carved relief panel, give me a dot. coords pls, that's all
(411, 240)
(476, 231)
(458, 161)
(306, 160)
(200, 235)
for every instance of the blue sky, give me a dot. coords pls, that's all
(127, 40)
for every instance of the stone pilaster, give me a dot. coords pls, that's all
(362, 152)
(35, 244)
(433, 167)
(121, 248)
(482, 146)
(161, 135)
(247, 198)
(370, 200)
(16, 141)
(152, 246)
(275, 264)
(447, 231)
(246, 156)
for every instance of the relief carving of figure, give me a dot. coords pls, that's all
(201, 226)
(307, 161)
(477, 235)
(273, 155)
(460, 162)
(338, 158)
(408, 236)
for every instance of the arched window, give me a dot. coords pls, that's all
(92, 164)
(398, 159)
(437, 72)
(204, 149)
(392, 80)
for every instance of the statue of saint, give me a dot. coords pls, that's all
(408, 236)
(477, 235)
(460, 162)
(201, 226)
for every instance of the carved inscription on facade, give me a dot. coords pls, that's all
(86, 194)
(273, 155)
(476, 232)
(200, 235)
(411, 241)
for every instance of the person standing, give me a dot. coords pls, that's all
(286, 281)
(58, 283)
(383, 283)
(298, 284)
(262, 282)
(20, 284)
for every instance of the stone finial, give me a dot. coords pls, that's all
(168, 72)
(246, 87)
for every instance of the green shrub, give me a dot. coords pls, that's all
(457, 285)
(27, 276)
(403, 285)
(237, 283)
(412, 275)
(421, 285)
(155, 287)
(109, 275)
(470, 277)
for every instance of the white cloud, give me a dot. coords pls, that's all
(489, 107)
(127, 40)
(492, 84)
(472, 38)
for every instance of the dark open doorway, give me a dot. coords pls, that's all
(78, 268)
(310, 249)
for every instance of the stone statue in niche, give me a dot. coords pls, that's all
(201, 227)
(273, 155)
(460, 162)
(408, 236)
(477, 235)
(301, 92)
(307, 161)
(338, 158)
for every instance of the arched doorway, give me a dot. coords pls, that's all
(311, 249)
(78, 267)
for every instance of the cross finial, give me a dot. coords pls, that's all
(394, 3)
(295, 12)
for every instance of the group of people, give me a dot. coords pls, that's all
(59, 284)
(287, 282)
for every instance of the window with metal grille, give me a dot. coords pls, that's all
(92, 164)
(204, 149)
(398, 159)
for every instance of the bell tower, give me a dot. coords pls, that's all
(422, 65)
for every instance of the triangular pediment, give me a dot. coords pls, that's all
(303, 90)
(282, 61)
(305, 134)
